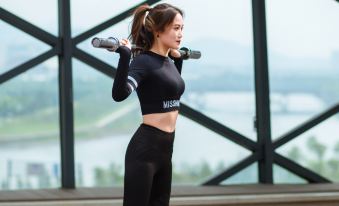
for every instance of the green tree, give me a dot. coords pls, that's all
(319, 150)
(100, 177)
(294, 154)
(115, 174)
(333, 163)
(336, 149)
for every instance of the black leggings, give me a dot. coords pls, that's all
(148, 167)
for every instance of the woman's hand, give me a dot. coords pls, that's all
(175, 53)
(125, 42)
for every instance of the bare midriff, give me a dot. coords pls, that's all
(164, 121)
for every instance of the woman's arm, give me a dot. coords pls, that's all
(128, 75)
(176, 57)
(121, 88)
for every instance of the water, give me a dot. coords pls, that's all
(193, 143)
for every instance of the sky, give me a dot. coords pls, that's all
(297, 28)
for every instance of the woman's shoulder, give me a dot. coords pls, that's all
(142, 60)
(139, 57)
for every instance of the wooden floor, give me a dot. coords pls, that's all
(240, 195)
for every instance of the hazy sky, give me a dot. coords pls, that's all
(298, 28)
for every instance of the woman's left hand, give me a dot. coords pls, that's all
(175, 53)
(126, 43)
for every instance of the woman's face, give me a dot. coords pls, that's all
(173, 34)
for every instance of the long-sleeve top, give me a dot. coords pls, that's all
(156, 79)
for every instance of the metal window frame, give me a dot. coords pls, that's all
(263, 151)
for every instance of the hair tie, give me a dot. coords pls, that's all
(145, 17)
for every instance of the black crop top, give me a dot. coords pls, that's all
(156, 78)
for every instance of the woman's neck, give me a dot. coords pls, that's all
(156, 48)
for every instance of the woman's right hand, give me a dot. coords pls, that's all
(125, 42)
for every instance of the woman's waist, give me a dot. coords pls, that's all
(165, 121)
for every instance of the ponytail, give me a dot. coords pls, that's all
(142, 27)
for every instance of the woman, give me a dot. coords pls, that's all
(155, 74)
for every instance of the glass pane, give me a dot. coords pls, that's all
(220, 84)
(17, 47)
(29, 129)
(317, 149)
(303, 59)
(281, 175)
(88, 14)
(33, 11)
(200, 153)
(246, 176)
(103, 128)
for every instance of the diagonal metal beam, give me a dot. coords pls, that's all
(306, 126)
(299, 170)
(87, 34)
(94, 62)
(28, 28)
(217, 127)
(217, 179)
(28, 65)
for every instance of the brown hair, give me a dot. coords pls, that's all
(143, 29)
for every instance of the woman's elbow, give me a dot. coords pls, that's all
(118, 97)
